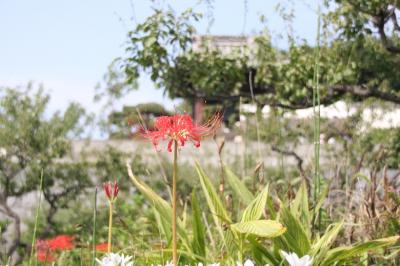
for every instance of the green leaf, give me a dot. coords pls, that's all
(238, 187)
(162, 207)
(300, 207)
(260, 228)
(218, 212)
(163, 226)
(295, 237)
(321, 199)
(343, 253)
(256, 208)
(321, 247)
(261, 253)
(198, 243)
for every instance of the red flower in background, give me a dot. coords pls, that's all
(102, 247)
(43, 252)
(180, 128)
(46, 248)
(111, 190)
(45, 256)
(61, 242)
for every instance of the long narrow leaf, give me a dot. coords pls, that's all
(343, 253)
(256, 208)
(260, 252)
(300, 207)
(160, 205)
(321, 247)
(199, 232)
(260, 228)
(238, 187)
(295, 237)
(218, 211)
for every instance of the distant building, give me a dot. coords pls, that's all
(227, 45)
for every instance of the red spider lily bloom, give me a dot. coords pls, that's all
(46, 248)
(45, 256)
(42, 245)
(102, 247)
(180, 128)
(61, 242)
(43, 253)
(111, 190)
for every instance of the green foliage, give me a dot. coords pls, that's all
(132, 119)
(238, 187)
(152, 40)
(255, 209)
(115, 84)
(162, 46)
(199, 235)
(34, 143)
(259, 228)
(340, 255)
(111, 162)
(291, 231)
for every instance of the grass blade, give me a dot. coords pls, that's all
(36, 219)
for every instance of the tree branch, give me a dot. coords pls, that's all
(334, 91)
(379, 21)
(17, 228)
(292, 154)
(364, 91)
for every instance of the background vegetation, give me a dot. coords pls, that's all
(353, 219)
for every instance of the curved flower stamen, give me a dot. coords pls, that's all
(180, 128)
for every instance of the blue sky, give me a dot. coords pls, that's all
(67, 45)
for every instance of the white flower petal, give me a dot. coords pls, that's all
(294, 260)
(248, 263)
(113, 259)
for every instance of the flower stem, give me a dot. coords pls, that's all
(174, 176)
(94, 228)
(110, 227)
(33, 247)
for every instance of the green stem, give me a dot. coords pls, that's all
(36, 218)
(317, 114)
(110, 227)
(174, 177)
(94, 227)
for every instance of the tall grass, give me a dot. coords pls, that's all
(36, 220)
(94, 226)
(317, 115)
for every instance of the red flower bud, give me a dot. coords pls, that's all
(111, 190)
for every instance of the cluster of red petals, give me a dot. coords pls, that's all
(102, 247)
(45, 256)
(180, 128)
(111, 190)
(47, 247)
(61, 242)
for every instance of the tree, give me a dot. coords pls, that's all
(131, 120)
(33, 145)
(350, 62)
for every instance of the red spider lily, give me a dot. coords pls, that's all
(111, 190)
(61, 242)
(46, 248)
(43, 253)
(180, 128)
(45, 256)
(102, 247)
